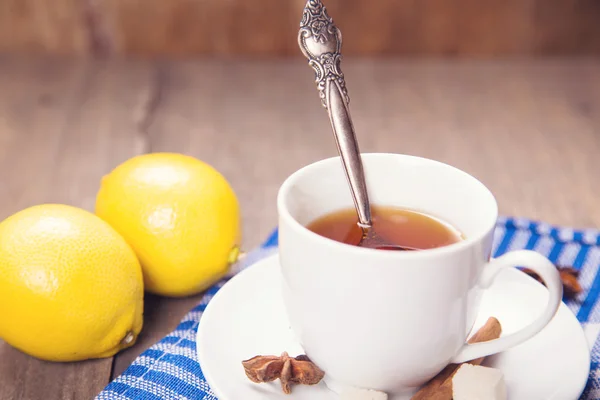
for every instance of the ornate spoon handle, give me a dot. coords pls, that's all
(321, 42)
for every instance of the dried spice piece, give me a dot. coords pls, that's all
(571, 286)
(440, 386)
(287, 369)
(568, 275)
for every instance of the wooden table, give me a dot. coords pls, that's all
(530, 130)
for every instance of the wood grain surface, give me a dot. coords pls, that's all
(529, 130)
(458, 28)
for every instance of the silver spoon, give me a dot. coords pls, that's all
(321, 42)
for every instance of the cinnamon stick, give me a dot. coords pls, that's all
(440, 386)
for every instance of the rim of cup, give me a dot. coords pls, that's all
(293, 179)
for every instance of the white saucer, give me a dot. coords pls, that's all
(247, 318)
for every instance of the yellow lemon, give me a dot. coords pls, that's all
(180, 216)
(71, 288)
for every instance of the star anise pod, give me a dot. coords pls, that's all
(568, 276)
(287, 369)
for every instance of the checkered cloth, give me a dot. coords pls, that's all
(169, 369)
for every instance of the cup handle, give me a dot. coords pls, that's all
(549, 274)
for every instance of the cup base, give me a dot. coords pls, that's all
(340, 388)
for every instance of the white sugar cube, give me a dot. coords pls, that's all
(362, 394)
(474, 382)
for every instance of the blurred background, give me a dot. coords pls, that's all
(185, 28)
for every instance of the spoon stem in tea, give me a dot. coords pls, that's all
(321, 42)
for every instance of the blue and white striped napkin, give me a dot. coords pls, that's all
(169, 369)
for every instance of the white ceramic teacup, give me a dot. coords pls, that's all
(390, 320)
